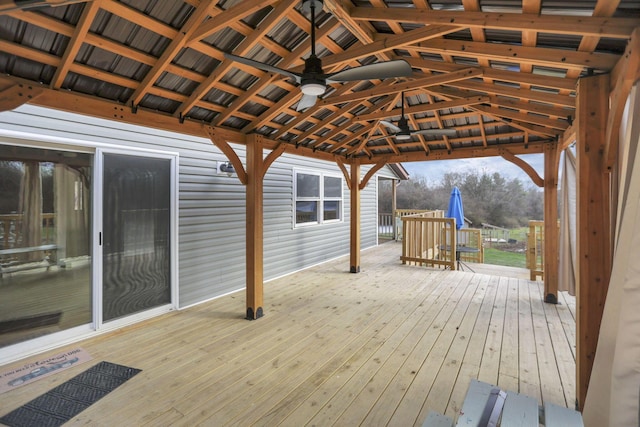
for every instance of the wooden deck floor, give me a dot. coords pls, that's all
(382, 347)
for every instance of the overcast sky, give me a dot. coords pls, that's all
(435, 169)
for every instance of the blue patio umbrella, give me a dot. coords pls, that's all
(455, 208)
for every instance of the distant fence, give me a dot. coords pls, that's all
(494, 234)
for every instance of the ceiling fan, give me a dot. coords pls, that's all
(403, 133)
(313, 80)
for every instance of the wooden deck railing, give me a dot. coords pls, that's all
(472, 238)
(535, 250)
(11, 229)
(401, 213)
(385, 225)
(425, 239)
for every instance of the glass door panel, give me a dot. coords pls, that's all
(136, 234)
(45, 259)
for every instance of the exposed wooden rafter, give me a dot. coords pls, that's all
(458, 81)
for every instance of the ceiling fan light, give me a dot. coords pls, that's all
(314, 89)
(402, 137)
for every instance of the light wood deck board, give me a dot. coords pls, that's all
(509, 371)
(470, 366)
(490, 364)
(382, 347)
(399, 375)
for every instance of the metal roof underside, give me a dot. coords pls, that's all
(502, 73)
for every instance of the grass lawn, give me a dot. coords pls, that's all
(498, 257)
(506, 254)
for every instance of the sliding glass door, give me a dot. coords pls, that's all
(136, 234)
(87, 241)
(45, 242)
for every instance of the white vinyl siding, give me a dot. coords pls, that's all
(211, 223)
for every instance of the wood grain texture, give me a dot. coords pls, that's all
(383, 347)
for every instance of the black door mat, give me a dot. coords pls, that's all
(67, 400)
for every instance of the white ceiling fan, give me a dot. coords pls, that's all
(313, 80)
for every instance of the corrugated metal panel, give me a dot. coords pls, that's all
(212, 207)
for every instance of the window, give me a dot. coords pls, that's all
(318, 198)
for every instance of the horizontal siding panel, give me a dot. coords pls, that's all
(211, 218)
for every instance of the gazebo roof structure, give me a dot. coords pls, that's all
(502, 73)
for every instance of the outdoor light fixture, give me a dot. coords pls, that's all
(313, 89)
(226, 167)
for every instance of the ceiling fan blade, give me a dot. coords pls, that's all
(306, 101)
(384, 138)
(380, 70)
(390, 126)
(262, 66)
(436, 132)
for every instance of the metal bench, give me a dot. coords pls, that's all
(13, 266)
(486, 405)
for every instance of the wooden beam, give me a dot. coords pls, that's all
(568, 137)
(534, 107)
(433, 80)
(461, 89)
(423, 108)
(594, 240)
(139, 18)
(624, 75)
(619, 28)
(220, 142)
(354, 259)
(18, 94)
(176, 45)
(89, 12)
(345, 172)
(551, 248)
(458, 153)
(552, 126)
(272, 156)
(363, 31)
(222, 20)
(371, 172)
(554, 58)
(339, 114)
(254, 226)
(388, 43)
(516, 77)
(360, 133)
(526, 167)
(109, 110)
(13, 5)
(518, 120)
(242, 49)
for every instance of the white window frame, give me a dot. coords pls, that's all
(320, 199)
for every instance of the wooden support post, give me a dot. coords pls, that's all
(355, 217)
(551, 239)
(254, 211)
(394, 195)
(593, 223)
